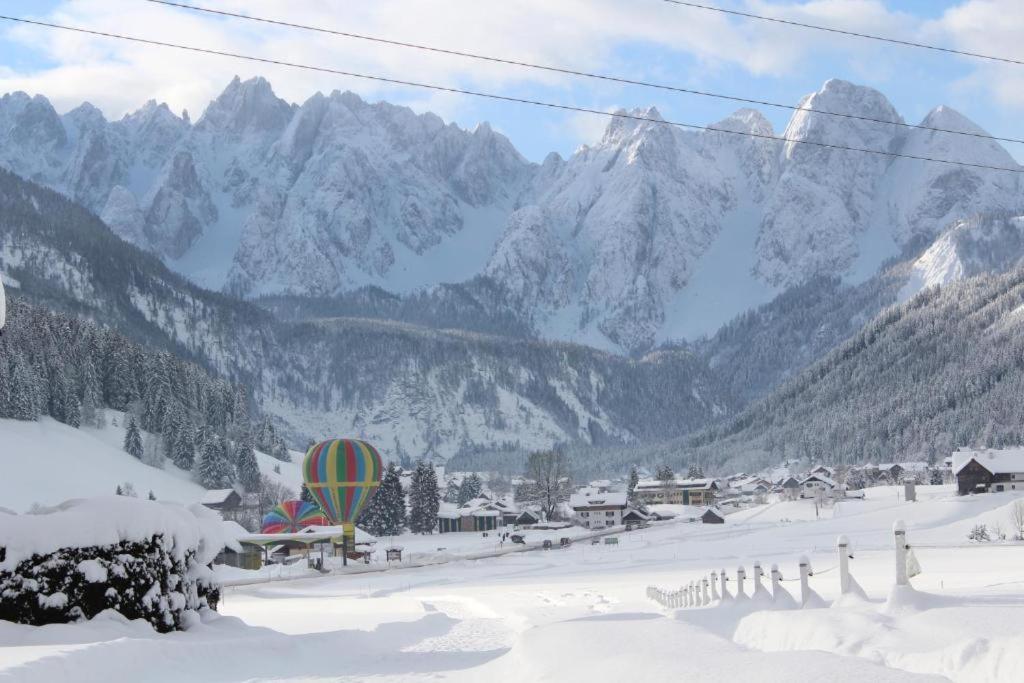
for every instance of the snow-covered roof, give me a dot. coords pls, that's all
(828, 481)
(678, 483)
(216, 496)
(477, 507)
(909, 466)
(995, 460)
(309, 534)
(615, 499)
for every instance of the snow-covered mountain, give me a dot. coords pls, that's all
(659, 233)
(411, 389)
(653, 233)
(264, 196)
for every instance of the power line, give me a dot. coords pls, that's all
(573, 72)
(501, 98)
(829, 29)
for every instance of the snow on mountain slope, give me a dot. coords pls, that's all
(824, 197)
(618, 230)
(922, 198)
(48, 462)
(968, 247)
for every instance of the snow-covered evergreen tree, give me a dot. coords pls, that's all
(246, 465)
(213, 468)
(183, 452)
(133, 439)
(470, 488)
(632, 480)
(451, 493)
(424, 499)
(24, 390)
(385, 513)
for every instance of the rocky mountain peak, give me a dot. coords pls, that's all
(247, 105)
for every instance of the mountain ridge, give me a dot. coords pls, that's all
(261, 196)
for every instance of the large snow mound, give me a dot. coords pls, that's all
(109, 520)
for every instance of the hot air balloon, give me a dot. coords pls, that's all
(342, 475)
(292, 516)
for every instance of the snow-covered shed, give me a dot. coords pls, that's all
(712, 516)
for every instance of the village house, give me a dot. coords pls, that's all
(676, 491)
(989, 470)
(790, 488)
(479, 514)
(814, 485)
(599, 511)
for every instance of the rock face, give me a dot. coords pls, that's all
(609, 247)
(631, 220)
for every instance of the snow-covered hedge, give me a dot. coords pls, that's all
(146, 559)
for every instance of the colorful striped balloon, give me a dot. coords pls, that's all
(292, 516)
(342, 475)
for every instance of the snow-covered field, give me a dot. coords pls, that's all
(580, 614)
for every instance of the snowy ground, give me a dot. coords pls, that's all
(581, 614)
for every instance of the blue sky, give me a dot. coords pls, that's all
(644, 39)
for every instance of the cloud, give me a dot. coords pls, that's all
(684, 45)
(990, 27)
(584, 34)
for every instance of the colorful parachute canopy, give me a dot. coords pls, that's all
(342, 475)
(292, 516)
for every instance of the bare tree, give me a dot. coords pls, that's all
(549, 471)
(1017, 519)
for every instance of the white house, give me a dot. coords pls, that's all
(814, 484)
(600, 510)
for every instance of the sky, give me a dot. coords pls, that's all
(639, 39)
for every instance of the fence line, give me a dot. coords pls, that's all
(696, 593)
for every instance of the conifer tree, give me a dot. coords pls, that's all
(245, 463)
(424, 499)
(470, 488)
(451, 494)
(213, 468)
(183, 453)
(24, 390)
(385, 513)
(631, 482)
(133, 439)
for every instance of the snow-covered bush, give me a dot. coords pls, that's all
(979, 533)
(145, 559)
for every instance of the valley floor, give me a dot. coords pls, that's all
(580, 614)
